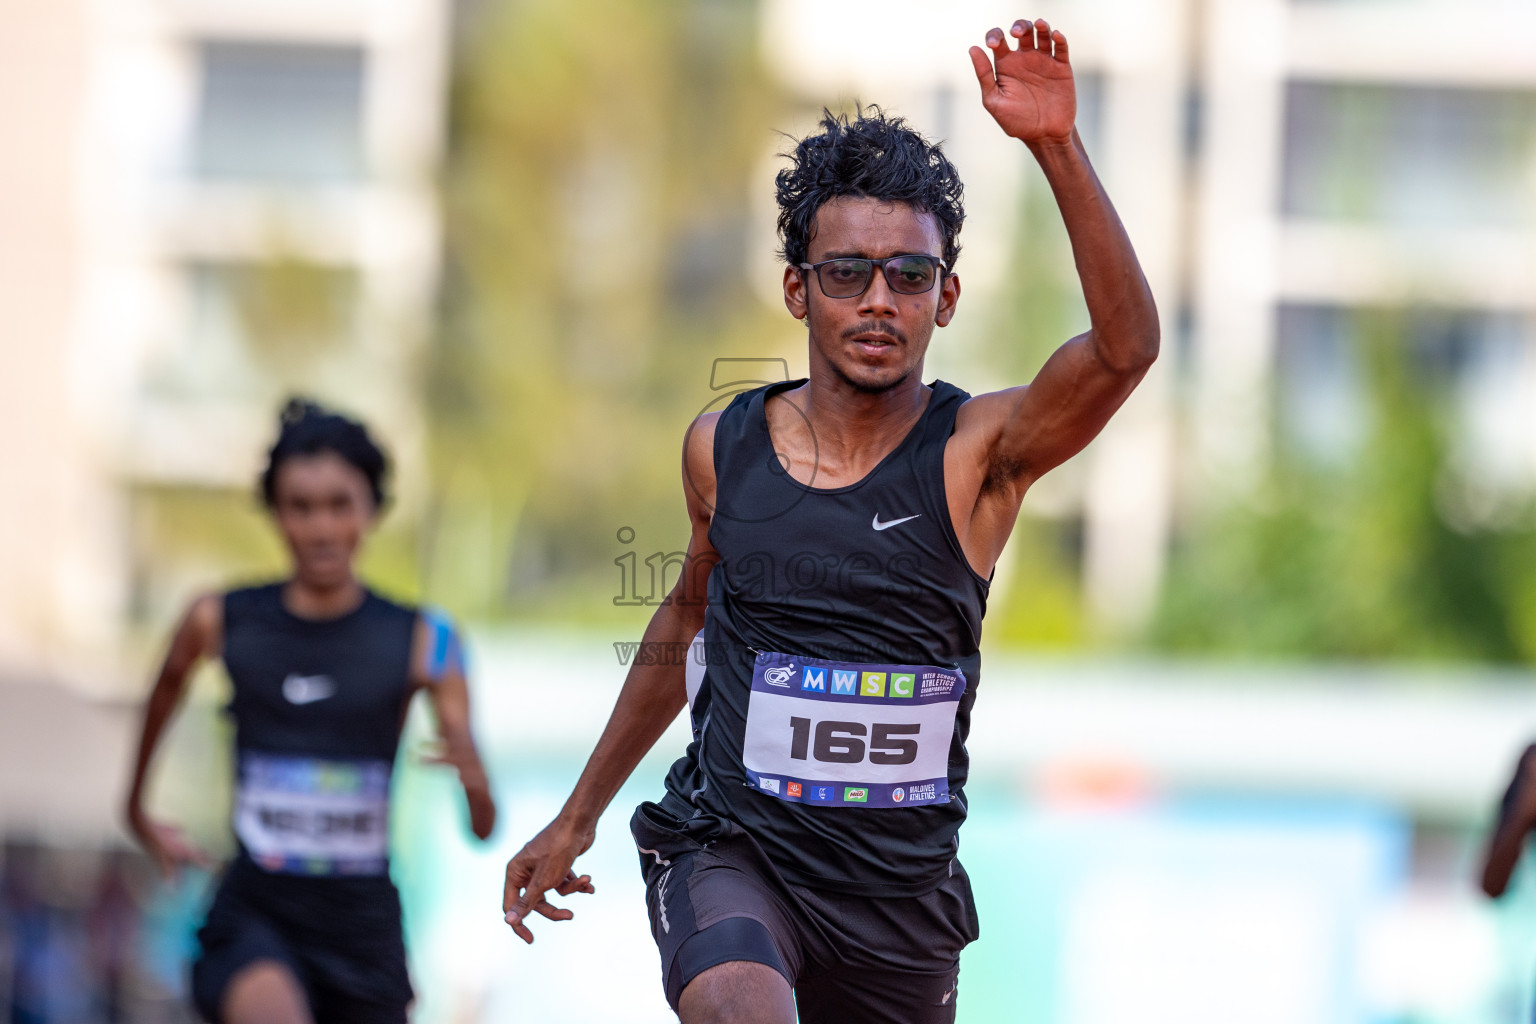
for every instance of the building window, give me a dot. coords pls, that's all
(280, 113)
(1410, 155)
(253, 330)
(1321, 397)
(282, 307)
(1470, 369)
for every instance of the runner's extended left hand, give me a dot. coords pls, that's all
(544, 865)
(1030, 92)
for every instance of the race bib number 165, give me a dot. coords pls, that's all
(840, 734)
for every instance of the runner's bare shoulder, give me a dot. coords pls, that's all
(699, 461)
(202, 627)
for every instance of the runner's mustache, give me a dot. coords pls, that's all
(873, 327)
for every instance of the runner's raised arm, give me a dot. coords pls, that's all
(1009, 439)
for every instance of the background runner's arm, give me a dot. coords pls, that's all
(650, 699)
(199, 635)
(1516, 819)
(438, 666)
(1029, 430)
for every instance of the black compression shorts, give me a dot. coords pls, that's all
(341, 938)
(714, 897)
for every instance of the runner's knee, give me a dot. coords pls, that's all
(265, 992)
(738, 992)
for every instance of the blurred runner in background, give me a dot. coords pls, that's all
(305, 925)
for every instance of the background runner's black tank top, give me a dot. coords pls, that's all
(318, 707)
(804, 571)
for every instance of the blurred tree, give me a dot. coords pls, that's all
(1358, 560)
(597, 199)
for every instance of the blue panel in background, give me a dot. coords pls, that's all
(1187, 912)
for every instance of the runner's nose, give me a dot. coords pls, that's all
(878, 300)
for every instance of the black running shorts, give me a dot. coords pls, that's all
(341, 938)
(714, 897)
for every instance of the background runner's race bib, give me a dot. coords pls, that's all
(848, 735)
(304, 815)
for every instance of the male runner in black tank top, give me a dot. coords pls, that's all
(306, 922)
(804, 853)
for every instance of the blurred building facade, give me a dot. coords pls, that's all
(213, 204)
(205, 206)
(1357, 157)
(1283, 166)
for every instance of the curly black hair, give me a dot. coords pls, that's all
(872, 155)
(307, 428)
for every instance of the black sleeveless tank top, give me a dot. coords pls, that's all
(870, 575)
(318, 707)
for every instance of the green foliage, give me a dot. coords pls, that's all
(1358, 562)
(597, 214)
(1041, 605)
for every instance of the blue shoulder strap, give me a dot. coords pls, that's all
(445, 651)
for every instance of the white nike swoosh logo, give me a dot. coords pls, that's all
(877, 524)
(308, 689)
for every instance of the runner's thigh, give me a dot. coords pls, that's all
(859, 995)
(894, 960)
(712, 904)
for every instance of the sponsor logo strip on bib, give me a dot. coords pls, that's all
(839, 734)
